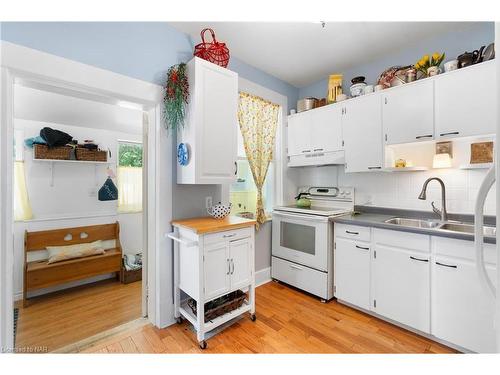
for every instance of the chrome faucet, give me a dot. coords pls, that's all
(423, 196)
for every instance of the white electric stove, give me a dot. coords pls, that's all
(302, 245)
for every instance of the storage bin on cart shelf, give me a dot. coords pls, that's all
(221, 305)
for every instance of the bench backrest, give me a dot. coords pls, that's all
(71, 236)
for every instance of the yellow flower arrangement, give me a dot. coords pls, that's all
(427, 61)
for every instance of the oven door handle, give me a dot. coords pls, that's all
(315, 218)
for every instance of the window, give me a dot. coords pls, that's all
(243, 192)
(129, 177)
(22, 207)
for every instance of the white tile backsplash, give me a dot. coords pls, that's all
(401, 189)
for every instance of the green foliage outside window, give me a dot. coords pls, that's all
(129, 155)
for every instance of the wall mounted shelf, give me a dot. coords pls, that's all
(476, 166)
(406, 169)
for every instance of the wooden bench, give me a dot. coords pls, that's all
(40, 274)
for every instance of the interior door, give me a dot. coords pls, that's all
(240, 252)
(362, 131)
(352, 272)
(401, 281)
(326, 130)
(217, 269)
(408, 113)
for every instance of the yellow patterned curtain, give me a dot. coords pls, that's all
(258, 120)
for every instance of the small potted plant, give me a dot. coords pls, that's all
(429, 66)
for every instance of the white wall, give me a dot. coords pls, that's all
(72, 200)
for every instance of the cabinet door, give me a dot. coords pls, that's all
(466, 101)
(362, 130)
(299, 134)
(408, 113)
(240, 254)
(216, 102)
(401, 281)
(352, 272)
(462, 311)
(326, 131)
(217, 262)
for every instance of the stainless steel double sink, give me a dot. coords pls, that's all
(447, 226)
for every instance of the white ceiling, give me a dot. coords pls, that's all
(302, 53)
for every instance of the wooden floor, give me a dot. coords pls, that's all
(288, 321)
(59, 319)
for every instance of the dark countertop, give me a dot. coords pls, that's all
(375, 217)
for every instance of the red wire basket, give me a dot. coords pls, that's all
(214, 51)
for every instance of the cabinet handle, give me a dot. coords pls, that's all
(232, 266)
(229, 235)
(362, 248)
(228, 267)
(446, 265)
(419, 259)
(296, 267)
(318, 149)
(450, 133)
(424, 136)
(235, 168)
(374, 167)
(305, 151)
(349, 232)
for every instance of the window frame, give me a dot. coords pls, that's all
(136, 143)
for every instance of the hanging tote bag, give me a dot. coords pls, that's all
(213, 51)
(108, 191)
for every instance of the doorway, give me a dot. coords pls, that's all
(65, 192)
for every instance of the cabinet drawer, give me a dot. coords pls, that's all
(312, 281)
(353, 232)
(462, 249)
(228, 235)
(402, 240)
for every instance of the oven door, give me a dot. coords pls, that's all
(301, 239)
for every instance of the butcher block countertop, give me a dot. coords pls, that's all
(202, 225)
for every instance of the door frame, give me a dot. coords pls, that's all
(18, 62)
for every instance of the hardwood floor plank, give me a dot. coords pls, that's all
(288, 321)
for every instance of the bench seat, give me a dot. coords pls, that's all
(41, 274)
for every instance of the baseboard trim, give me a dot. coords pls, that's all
(262, 276)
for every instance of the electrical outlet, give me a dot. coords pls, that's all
(208, 202)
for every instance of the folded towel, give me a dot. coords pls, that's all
(29, 142)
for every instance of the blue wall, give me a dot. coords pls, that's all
(453, 44)
(143, 50)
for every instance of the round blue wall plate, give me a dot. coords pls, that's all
(183, 154)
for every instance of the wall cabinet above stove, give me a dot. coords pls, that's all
(315, 137)
(210, 131)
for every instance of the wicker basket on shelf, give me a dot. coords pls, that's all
(53, 153)
(221, 305)
(91, 155)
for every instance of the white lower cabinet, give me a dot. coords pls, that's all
(352, 272)
(428, 283)
(401, 286)
(462, 311)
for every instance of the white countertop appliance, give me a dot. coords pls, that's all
(302, 244)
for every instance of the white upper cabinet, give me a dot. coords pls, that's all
(408, 113)
(299, 133)
(326, 131)
(210, 132)
(466, 101)
(315, 137)
(362, 131)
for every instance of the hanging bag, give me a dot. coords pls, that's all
(108, 191)
(214, 51)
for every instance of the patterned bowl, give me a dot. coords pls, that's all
(219, 211)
